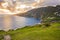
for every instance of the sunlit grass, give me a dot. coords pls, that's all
(37, 32)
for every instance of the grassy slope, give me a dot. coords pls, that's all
(37, 32)
(2, 33)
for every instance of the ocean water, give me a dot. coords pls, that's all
(13, 22)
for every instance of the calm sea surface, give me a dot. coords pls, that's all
(13, 22)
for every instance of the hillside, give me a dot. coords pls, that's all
(37, 32)
(39, 12)
(43, 13)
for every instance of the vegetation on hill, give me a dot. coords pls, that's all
(49, 29)
(44, 31)
(44, 13)
(37, 32)
(2, 33)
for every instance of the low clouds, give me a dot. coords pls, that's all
(27, 1)
(50, 2)
(42, 2)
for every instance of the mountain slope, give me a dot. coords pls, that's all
(44, 13)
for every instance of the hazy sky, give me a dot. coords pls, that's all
(45, 2)
(51, 2)
(34, 5)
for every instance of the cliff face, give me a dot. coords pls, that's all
(43, 12)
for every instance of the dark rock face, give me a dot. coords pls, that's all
(43, 12)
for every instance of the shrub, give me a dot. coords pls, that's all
(46, 25)
(1, 37)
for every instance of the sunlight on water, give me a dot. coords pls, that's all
(7, 22)
(13, 22)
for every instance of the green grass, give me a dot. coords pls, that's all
(2, 33)
(37, 32)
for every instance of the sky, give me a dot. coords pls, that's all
(51, 2)
(25, 4)
(44, 3)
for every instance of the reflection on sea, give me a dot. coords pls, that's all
(12, 22)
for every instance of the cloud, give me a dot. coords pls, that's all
(1, 0)
(50, 2)
(42, 3)
(26, 1)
